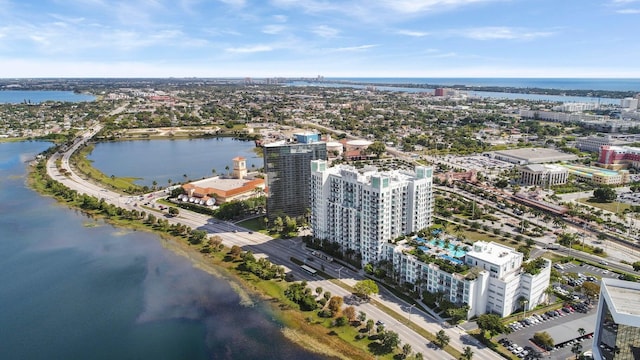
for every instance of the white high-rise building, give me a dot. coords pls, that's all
(360, 210)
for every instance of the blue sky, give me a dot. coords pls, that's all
(334, 38)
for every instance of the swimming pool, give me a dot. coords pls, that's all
(453, 260)
(440, 243)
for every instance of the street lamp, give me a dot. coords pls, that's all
(525, 303)
(411, 308)
(338, 270)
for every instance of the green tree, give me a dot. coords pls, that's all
(173, 211)
(467, 354)
(491, 323)
(389, 341)
(442, 339)
(576, 349)
(406, 350)
(590, 289)
(581, 331)
(636, 266)
(369, 326)
(543, 339)
(377, 148)
(364, 288)
(362, 316)
(604, 194)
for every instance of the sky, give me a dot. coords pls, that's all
(307, 38)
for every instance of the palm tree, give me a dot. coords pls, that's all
(213, 171)
(576, 349)
(442, 339)
(467, 354)
(169, 182)
(227, 168)
(406, 350)
(581, 331)
(154, 183)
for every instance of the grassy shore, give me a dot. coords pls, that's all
(306, 329)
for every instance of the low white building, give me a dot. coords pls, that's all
(492, 278)
(543, 175)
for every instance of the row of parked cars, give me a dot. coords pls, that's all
(537, 318)
(526, 352)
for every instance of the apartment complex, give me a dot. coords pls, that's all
(288, 172)
(362, 209)
(490, 278)
(617, 334)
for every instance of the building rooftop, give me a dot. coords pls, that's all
(537, 155)
(493, 253)
(625, 295)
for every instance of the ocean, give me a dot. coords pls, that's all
(542, 83)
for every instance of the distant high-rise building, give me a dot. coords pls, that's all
(362, 210)
(288, 169)
(617, 334)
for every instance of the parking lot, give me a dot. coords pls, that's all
(563, 324)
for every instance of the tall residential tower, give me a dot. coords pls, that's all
(361, 210)
(287, 166)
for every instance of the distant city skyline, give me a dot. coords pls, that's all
(332, 38)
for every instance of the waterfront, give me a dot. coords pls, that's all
(39, 96)
(477, 94)
(164, 160)
(75, 288)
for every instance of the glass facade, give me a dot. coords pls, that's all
(288, 169)
(617, 341)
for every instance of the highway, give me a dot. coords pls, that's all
(280, 251)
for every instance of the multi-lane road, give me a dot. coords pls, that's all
(280, 251)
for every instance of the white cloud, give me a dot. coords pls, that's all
(325, 31)
(250, 49)
(353, 48)
(280, 18)
(499, 33)
(412, 33)
(415, 6)
(273, 29)
(628, 11)
(234, 3)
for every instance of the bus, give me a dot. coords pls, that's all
(310, 270)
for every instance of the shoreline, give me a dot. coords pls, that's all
(292, 321)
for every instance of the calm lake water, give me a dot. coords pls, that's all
(38, 96)
(75, 288)
(163, 160)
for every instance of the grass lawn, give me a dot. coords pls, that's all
(84, 166)
(255, 224)
(614, 206)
